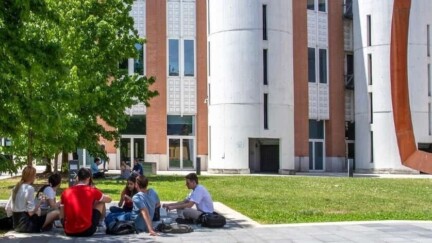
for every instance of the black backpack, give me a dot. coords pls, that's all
(212, 220)
(121, 227)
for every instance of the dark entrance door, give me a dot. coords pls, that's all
(269, 159)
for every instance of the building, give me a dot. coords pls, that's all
(276, 86)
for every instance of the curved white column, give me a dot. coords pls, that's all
(236, 81)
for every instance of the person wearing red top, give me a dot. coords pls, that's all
(82, 206)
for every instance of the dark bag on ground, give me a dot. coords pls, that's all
(212, 220)
(174, 228)
(6, 223)
(121, 227)
(119, 224)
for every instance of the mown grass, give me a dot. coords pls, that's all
(295, 199)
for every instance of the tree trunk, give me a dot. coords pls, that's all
(65, 157)
(48, 168)
(56, 163)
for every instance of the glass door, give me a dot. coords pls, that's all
(316, 155)
(132, 147)
(181, 153)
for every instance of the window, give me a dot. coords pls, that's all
(264, 16)
(429, 119)
(181, 125)
(136, 125)
(311, 65)
(369, 33)
(266, 111)
(429, 79)
(428, 40)
(311, 4)
(322, 5)
(370, 69)
(189, 57)
(209, 66)
(370, 108)
(371, 147)
(208, 17)
(123, 67)
(173, 64)
(265, 66)
(323, 66)
(139, 63)
(316, 129)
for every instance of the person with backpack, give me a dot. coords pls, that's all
(144, 204)
(82, 206)
(199, 197)
(125, 204)
(22, 207)
(47, 194)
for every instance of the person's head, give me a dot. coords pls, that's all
(54, 180)
(28, 176)
(191, 180)
(84, 175)
(97, 160)
(135, 161)
(130, 184)
(141, 182)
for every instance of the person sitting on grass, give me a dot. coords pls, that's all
(144, 203)
(95, 169)
(199, 197)
(125, 170)
(125, 204)
(137, 169)
(21, 206)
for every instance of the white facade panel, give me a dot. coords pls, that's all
(138, 13)
(236, 109)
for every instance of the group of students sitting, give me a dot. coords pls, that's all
(82, 207)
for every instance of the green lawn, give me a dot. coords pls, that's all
(295, 199)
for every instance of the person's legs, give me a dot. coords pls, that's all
(50, 217)
(190, 213)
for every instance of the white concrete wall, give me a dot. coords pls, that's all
(236, 80)
(385, 148)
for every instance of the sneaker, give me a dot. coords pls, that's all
(58, 224)
(184, 221)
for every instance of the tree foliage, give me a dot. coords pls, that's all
(60, 74)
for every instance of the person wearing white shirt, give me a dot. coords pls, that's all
(199, 197)
(21, 206)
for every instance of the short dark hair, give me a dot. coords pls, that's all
(96, 159)
(142, 182)
(84, 173)
(54, 179)
(192, 177)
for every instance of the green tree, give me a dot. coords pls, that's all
(73, 80)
